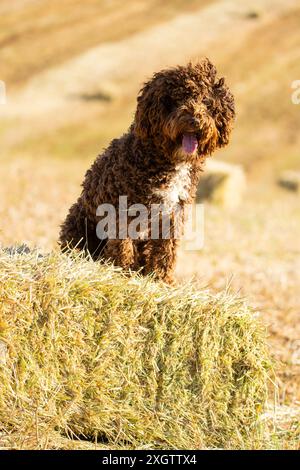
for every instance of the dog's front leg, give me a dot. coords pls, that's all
(158, 258)
(119, 252)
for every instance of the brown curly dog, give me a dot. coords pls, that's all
(183, 114)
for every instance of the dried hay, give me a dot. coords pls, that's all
(89, 351)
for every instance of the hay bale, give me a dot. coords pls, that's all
(222, 183)
(290, 180)
(90, 351)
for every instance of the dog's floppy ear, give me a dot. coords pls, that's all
(224, 117)
(154, 103)
(150, 108)
(142, 124)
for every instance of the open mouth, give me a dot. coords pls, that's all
(189, 143)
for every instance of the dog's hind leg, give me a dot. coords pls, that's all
(80, 233)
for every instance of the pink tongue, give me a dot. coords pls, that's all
(189, 143)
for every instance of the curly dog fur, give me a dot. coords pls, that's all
(183, 114)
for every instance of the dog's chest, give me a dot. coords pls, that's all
(177, 187)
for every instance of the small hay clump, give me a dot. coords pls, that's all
(86, 351)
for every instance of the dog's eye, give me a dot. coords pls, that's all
(168, 103)
(208, 102)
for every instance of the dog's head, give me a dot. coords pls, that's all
(186, 110)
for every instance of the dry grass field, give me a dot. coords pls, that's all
(72, 71)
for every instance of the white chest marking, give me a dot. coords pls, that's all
(178, 187)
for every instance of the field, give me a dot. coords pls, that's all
(72, 74)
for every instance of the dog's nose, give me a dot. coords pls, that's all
(195, 122)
